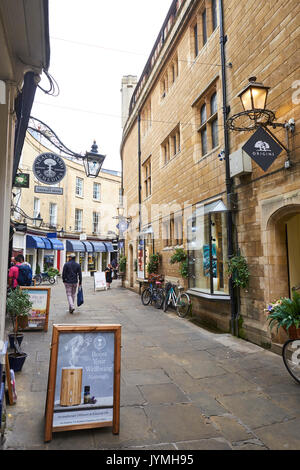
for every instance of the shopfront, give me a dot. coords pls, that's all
(91, 255)
(43, 253)
(145, 250)
(207, 249)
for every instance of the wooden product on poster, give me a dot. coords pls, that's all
(84, 359)
(38, 318)
(71, 383)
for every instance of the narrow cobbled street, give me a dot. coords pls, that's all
(182, 387)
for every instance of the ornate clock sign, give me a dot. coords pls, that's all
(49, 168)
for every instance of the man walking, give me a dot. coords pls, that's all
(71, 275)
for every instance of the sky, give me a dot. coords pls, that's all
(93, 45)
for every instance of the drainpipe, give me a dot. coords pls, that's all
(229, 182)
(139, 186)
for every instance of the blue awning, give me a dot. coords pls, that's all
(75, 245)
(99, 247)
(47, 244)
(109, 246)
(34, 242)
(56, 244)
(88, 246)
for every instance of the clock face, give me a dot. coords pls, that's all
(49, 168)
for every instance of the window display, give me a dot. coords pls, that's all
(207, 246)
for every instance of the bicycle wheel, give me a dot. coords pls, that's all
(146, 296)
(183, 305)
(159, 298)
(38, 279)
(291, 358)
(51, 280)
(166, 301)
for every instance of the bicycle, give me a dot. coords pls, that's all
(180, 302)
(153, 293)
(291, 358)
(42, 277)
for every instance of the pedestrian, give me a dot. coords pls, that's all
(71, 275)
(114, 264)
(20, 274)
(108, 275)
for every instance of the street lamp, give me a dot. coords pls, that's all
(254, 96)
(93, 161)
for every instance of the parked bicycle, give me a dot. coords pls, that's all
(180, 302)
(154, 293)
(43, 277)
(291, 358)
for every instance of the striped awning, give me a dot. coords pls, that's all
(109, 246)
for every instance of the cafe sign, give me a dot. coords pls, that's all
(49, 168)
(262, 148)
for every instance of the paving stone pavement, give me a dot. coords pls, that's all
(182, 387)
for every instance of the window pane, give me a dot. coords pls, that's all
(203, 114)
(196, 50)
(219, 234)
(199, 252)
(213, 104)
(204, 31)
(204, 141)
(214, 133)
(214, 14)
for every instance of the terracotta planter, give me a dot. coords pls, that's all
(293, 332)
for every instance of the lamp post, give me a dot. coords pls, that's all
(93, 161)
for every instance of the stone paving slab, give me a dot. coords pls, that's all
(182, 387)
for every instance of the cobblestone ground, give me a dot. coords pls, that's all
(182, 387)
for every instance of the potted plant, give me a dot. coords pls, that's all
(237, 270)
(180, 256)
(18, 306)
(122, 264)
(153, 265)
(285, 313)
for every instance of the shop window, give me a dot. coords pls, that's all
(207, 249)
(78, 220)
(97, 191)
(79, 187)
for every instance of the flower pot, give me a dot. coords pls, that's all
(16, 361)
(22, 321)
(293, 332)
(11, 338)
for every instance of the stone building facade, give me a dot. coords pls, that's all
(85, 211)
(178, 189)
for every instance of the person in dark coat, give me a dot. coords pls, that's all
(71, 275)
(108, 275)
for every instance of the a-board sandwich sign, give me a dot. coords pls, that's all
(39, 313)
(84, 378)
(99, 280)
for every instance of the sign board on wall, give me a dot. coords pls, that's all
(49, 190)
(84, 378)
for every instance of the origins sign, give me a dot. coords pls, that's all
(262, 148)
(49, 168)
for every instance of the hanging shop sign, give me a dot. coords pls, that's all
(262, 148)
(49, 168)
(84, 378)
(21, 180)
(39, 313)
